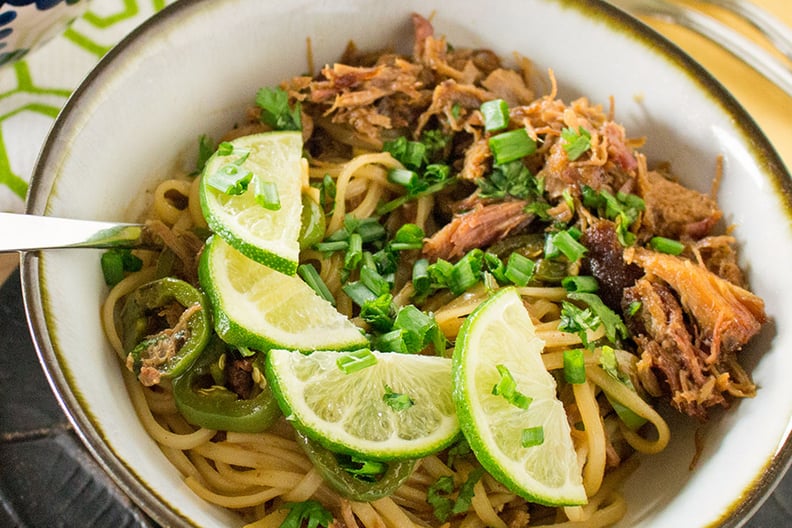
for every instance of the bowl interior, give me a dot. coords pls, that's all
(194, 69)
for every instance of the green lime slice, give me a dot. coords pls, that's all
(269, 236)
(260, 308)
(349, 412)
(498, 340)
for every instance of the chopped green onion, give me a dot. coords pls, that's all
(420, 277)
(466, 272)
(230, 179)
(225, 148)
(576, 143)
(519, 269)
(564, 243)
(580, 283)
(393, 341)
(350, 362)
(266, 193)
(362, 468)
(115, 262)
(373, 280)
(397, 401)
(378, 312)
(332, 246)
(511, 145)
(633, 308)
(496, 267)
(404, 177)
(666, 245)
(409, 236)
(507, 388)
(311, 277)
(358, 292)
(532, 436)
(574, 366)
(387, 207)
(411, 154)
(354, 252)
(496, 115)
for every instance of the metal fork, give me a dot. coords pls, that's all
(741, 47)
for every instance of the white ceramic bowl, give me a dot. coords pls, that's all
(194, 68)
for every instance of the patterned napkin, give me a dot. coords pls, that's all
(32, 91)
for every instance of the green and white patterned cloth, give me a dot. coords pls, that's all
(33, 91)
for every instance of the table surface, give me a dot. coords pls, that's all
(48, 479)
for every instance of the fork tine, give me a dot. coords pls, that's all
(778, 33)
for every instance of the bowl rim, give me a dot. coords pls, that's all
(41, 183)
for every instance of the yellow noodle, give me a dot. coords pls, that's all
(216, 480)
(179, 459)
(594, 470)
(346, 174)
(369, 204)
(392, 514)
(624, 395)
(367, 515)
(262, 441)
(272, 520)
(127, 285)
(239, 456)
(163, 205)
(483, 507)
(233, 502)
(306, 487)
(261, 477)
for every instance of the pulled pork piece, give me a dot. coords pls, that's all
(186, 245)
(560, 174)
(477, 228)
(689, 326)
(718, 254)
(667, 345)
(509, 86)
(675, 211)
(727, 316)
(605, 261)
(239, 377)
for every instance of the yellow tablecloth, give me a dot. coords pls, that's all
(767, 104)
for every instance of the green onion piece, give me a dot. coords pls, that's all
(358, 292)
(666, 245)
(420, 277)
(397, 401)
(409, 236)
(392, 341)
(230, 179)
(496, 267)
(570, 202)
(373, 280)
(564, 243)
(574, 366)
(411, 154)
(496, 114)
(311, 277)
(580, 283)
(440, 272)
(266, 193)
(466, 272)
(387, 207)
(507, 388)
(633, 308)
(576, 143)
(354, 252)
(404, 177)
(511, 145)
(519, 269)
(350, 362)
(332, 246)
(532, 436)
(225, 148)
(378, 312)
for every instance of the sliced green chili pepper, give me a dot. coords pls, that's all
(203, 399)
(363, 488)
(164, 327)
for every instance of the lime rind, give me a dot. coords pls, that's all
(549, 473)
(260, 308)
(346, 413)
(266, 236)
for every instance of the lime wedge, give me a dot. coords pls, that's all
(498, 340)
(350, 412)
(260, 308)
(265, 235)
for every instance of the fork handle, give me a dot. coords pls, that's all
(778, 33)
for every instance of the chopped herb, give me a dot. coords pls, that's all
(580, 283)
(576, 143)
(622, 208)
(411, 154)
(327, 193)
(275, 110)
(666, 245)
(205, 151)
(369, 276)
(574, 366)
(378, 312)
(614, 326)
(266, 193)
(459, 450)
(396, 401)
(361, 468)
(466, 272)
(496, 115)
(408, 236)
(456, 110)
(230, 179)
(519, 269)
(439, 495)
(350, 362)
(578, 321)
(310, 514)
(311, 277)
(610, 365)
(512, 145)
(436, 142)
(507, 388)
(564, 243)
(420, 277)
(532, 436)
(633, 308)
(354, 252)
(511, 179)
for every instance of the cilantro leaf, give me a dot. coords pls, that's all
(576, 143)
(439, 495)
(397, 401)
(577, 321)
(615, 328)
(309, 511)
(275, 110)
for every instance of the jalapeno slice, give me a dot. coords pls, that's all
(358, 488)
(204, 400)
(164, 327)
